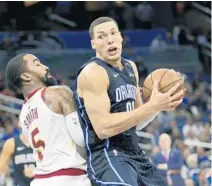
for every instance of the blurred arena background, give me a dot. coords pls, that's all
(156, 35)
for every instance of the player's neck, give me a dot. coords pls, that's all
(116, 63)
(28, 89)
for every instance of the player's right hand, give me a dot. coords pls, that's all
(166, 101)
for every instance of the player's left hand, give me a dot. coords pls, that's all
(29, 171)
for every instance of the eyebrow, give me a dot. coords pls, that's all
(100, 32)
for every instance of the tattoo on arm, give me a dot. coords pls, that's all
(59, 99)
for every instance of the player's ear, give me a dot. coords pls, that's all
(25, 77)
(93, 44)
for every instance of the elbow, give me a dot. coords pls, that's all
(103, 128)
(102, 134)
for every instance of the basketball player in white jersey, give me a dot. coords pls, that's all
(50, 123)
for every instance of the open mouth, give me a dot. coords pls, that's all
(112, 49)
(48, 74)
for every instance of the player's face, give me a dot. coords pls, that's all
(37, 72)
(107, 41)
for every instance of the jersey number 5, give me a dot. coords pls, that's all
(39, 145)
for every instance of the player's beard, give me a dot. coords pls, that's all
(49, 81)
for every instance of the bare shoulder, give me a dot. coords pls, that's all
(92, 74)
(59, 91)
(133, 65)
(56, 97)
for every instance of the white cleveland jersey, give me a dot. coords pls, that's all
(49, 137)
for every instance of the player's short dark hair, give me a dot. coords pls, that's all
(99, 21)
(14, 69)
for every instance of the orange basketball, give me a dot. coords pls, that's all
(166, 78)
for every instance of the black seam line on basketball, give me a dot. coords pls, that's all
(148, 96)
(171, 84)
(159, 81)
(165, 87)
(147, 88)
(162, 76)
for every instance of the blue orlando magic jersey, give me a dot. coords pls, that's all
(122, 94)
(22, 157)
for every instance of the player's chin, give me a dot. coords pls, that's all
(114, 57)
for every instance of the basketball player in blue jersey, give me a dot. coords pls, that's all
(18, 151)
(110, 106)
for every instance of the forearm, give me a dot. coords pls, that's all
(144, 123)
(119, 122)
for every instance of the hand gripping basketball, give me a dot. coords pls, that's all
(166, 101)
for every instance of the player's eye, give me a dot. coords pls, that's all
(100, 36)
(113, 32)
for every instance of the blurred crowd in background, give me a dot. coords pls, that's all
(129, 15)
(190, 121)
(176, 17)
